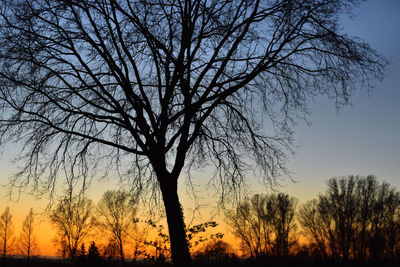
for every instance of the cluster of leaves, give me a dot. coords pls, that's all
(195, 237)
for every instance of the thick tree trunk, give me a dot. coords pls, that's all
(176, 225)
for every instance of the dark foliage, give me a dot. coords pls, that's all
(356, 219)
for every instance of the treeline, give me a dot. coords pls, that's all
(265, 225)
(356, 220)
(25, 243)
(114, 223)
(108, 231)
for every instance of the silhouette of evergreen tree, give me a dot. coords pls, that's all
(93, 252)
(82, 252)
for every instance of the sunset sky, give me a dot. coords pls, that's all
(363, 138)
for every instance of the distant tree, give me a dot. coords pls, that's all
(214, 250)
(338, 211)
(82, 251)
(283, 222)
(6, 233)
(391, 220)
(357, 217)
(117, 210)
(93, 252)
(73, 219)
(27, 240)
(265, 224)
(111, 250)
(366, 192)
(377, 242)
(61, 244)
(81, 259)
(251, 223)
(313, 227)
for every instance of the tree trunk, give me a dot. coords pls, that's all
(176, 225)
(121, 250)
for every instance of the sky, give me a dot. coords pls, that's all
(360, 139)
(363, 138)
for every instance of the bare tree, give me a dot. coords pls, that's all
(366, 193)
(265, 224)
(338, 209)
(60, 243)
(356, 217)
(251, 223)
(6, 233)
(310, 221)
(391, 220)
(150, 87)
(283, 223)
(117, 210)
(27, 241)
(331, 220)
(377, 240)
(73, 219)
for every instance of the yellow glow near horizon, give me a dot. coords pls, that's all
(45, 232)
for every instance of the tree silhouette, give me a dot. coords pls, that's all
(356, 218)
(391, 220)
(338, 208)
(117, 210)
(214, 250)
(311, 222)
(82, 251)
(265, 224)
(250, 222)
(283, 223)
(73, 219)
(150, 87)
(6, 233)
(60, 243)
(366, 193)
(93, 252)
(27, 241)
(110, 250)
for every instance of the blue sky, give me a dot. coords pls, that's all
(363, 138)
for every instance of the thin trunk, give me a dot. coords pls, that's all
(5, 242)
(121, 250)
(29, 251)
(176, 225)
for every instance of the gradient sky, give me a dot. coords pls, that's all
(363, 138)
